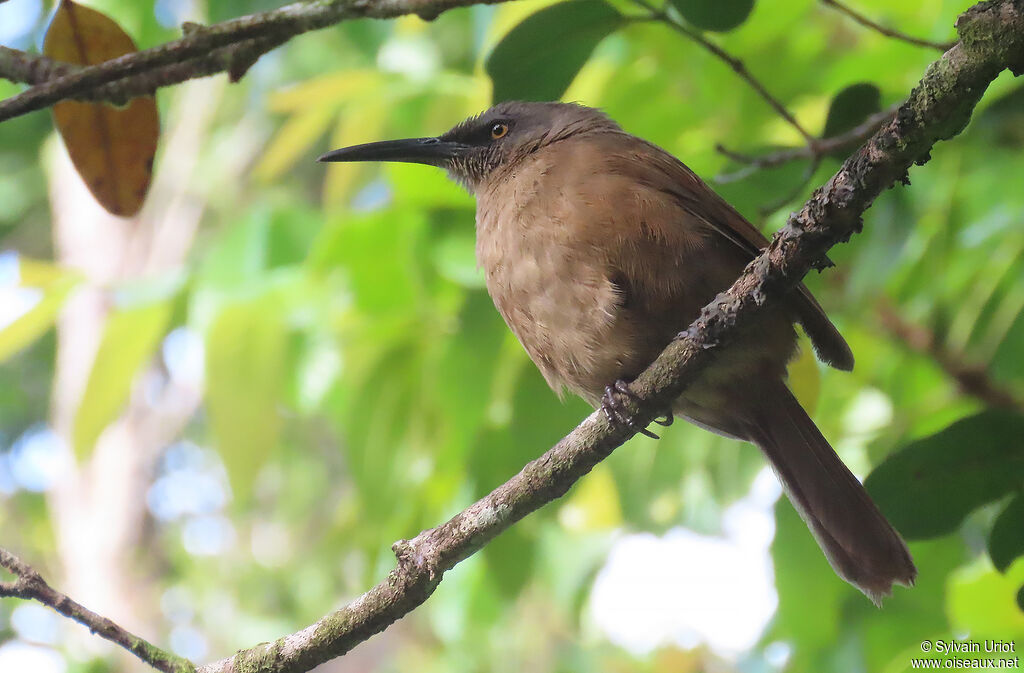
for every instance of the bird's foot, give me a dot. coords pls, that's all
(612, 404)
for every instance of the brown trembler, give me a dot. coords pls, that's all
(599, 248)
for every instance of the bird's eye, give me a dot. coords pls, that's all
(498, 130)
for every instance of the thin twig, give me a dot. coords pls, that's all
(973, 379)
(888, 32)
(239, 38)
(795, 191)
(824, 146)
(30, 585)
(937, 109)
(738, 66)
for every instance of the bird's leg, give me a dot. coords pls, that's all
(622, 387)
(615, 412)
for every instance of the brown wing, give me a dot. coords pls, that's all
(704, 204)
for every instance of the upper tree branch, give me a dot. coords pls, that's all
(235, 60)
(20, 66)
(230, 46)
(30, 585)
(992, 39)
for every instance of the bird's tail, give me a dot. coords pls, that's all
(858, 541)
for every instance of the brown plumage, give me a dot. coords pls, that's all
(599, 247)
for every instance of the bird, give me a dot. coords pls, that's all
(599, 248)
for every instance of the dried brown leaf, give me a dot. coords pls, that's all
(111, 147)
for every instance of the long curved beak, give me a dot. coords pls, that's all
(430, 151)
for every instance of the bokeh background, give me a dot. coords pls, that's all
(215, 418)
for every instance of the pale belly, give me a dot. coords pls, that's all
(562, 309)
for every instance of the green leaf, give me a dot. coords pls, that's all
(455, 259)
(982, 601)
(129, 339)
(806, 585)
(928, 487)
(715, 15)
(594, 503)
(237, 255)
(374, 418)
(1002, 122)
(467, 366)
(1006, 540)
(33, 323)
(379, 253)
(510, 559)
(909, 616)
(427, 189)
(538, 420)
(246, 360)
(851, 107)
(539, 58)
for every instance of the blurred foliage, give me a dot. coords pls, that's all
(359, 385)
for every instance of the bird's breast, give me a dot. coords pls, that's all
(552, 287)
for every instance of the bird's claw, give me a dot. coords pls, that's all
(615, 410)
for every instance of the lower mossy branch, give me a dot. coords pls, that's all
(30, 585)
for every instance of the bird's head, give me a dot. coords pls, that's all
(477, 148)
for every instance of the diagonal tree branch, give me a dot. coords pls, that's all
(30, 585)
(992, 39)
(243, 40)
